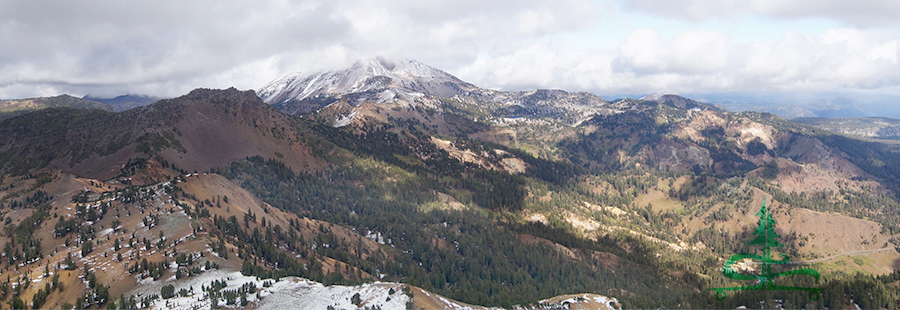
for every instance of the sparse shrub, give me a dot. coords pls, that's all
(167, 291)
(769, 171)
(87, 247)
(356, 299)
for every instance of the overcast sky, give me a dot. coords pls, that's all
(166, 48)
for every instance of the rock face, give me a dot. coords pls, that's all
(376, 80)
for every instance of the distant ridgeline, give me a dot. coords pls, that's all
(15, 107)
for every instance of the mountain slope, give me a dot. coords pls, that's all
(195, 132)
(365, 175)
(663, 133)
(122, 246)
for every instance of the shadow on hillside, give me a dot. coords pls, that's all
(896, 264)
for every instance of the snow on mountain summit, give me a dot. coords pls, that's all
(375, 79)
(654, 97)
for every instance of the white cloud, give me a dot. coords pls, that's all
(859, 13)
(118, 44)
(171, 46)
(693, 10)
(842, 58)
(541, 66)
(702, 61)
(692, 52)
(167, 48)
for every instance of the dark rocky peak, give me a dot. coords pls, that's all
(226, 98)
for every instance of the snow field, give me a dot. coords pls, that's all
(286, 293)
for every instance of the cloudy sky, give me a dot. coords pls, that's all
(608, 47)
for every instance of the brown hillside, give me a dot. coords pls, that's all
(203, 129)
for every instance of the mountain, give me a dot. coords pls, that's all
(408, 90)
(376, 80)
(195, 132)
(124, 102)
(14, 107)
(542, 198)
(83, 165)
(658, 133)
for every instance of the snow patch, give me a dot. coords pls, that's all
(286, 293)
(345, 120)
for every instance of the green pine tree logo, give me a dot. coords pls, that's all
(766, 236)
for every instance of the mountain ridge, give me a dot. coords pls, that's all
(124, 102)
(869, 127)
(15, 107)
(186, 132)
(411, 83)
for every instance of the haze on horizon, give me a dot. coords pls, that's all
(804, 52)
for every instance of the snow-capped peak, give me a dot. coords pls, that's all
(385, 79)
